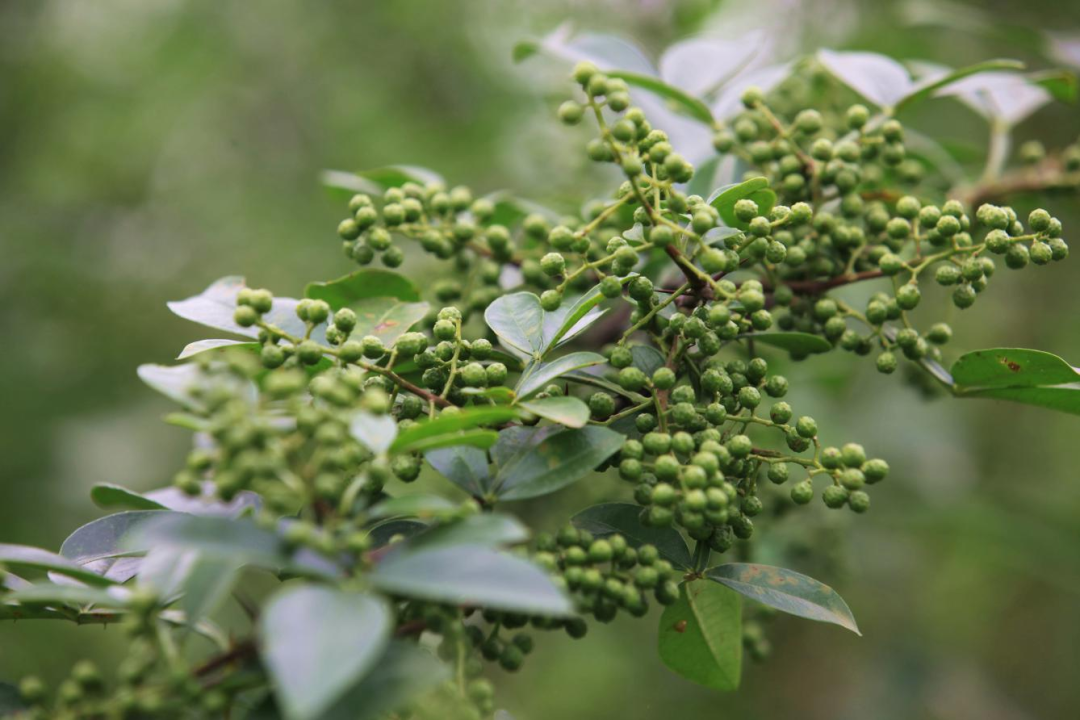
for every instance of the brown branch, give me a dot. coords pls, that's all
(243, 650)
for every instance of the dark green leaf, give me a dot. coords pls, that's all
(1032, 377)
(756, 189)
(449, 423)
(400, 676)
(1064, 85)
(482, 439)
(382, 533)
(318, 643)
(361, 285)
(23, 556)
(466, 467)
(625, 519)
(701, 635)
(568, 411)
(386, 318)
(518, 320)
(10, 699)
(557, 461)
(647, 359)
(470, 575)
(516, 440)
(536, 377)
(923, 91)
(796, 343)
(686, 103)
(786, 590)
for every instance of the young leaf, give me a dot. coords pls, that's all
(450, 423)
(518, 320)
(361, 285)
(572, 318)
(23, 556)
(625, 519)
(560, 459)
(568, 411)
(756, 189)
(796, 343)
(786, 590)
(470, 575)
(537, 376)
(466, 467)
(386, 318)
(1032, 377)
(878, 78)
(701, 635)
(482, 439)
(375, 432)
(319, 642)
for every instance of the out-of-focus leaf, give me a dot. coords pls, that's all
(399, 677)
(201, 346)
(560, 459)
(318, 643)
(23, 556)
(625, 519)
(1063, 85)
(786, 590)
(77, 595)
(361, 285)
(701, 635)
(470, 575)
(878, 78)
(685, 102)
(488, 529)
(422, 506)
(215, 306)
(926, 88)
(375, 432)
(106, 495)
(375, 181)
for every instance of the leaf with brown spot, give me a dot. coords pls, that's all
(1032, 377)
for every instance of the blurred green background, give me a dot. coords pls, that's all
(147, 148)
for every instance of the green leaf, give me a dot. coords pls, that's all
(448, 423)
(647, 359)
(796, 343)
(878, 78)
(402, 674)
(488, 529)
(786, 590)
(214, 307)
(386, 318)
(537, 376)
(558, 460)
(382, 533)
(1064, 85)
(318, 643)
(375, 432)
(701, 635)
(470, 575)
(77, 595)
(482, 439)
(379, 179)
(625, 519)
(518, 320)
(99, 545)
(201, 346)
(181, 382)
(466, 467)
(106, 495)
(202, 581)
(573, 318)
(417, 505)
(569, 411)
(1032, 377)
(361, 285)
(756, 189)
(239, 540)
(923, 91)
(23, 556)
(683, 101)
